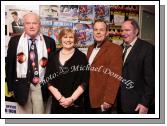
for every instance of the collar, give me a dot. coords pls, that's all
(132, 43)
(38, 37)
(95, 44)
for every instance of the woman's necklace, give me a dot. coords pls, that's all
(67, 53)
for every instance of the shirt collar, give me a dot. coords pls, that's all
(95, 44)
(133, 42)
(36, 38)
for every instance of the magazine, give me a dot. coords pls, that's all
(102, 12)
(86, 14)
(68, 13)
(49, 11)
(84, 34)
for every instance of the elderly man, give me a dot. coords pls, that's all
(27, 57)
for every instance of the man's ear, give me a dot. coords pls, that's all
(107, 33)
(136, 32)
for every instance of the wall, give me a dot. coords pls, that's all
(147, 23)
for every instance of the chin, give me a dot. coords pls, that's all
(68, 47)
(99, 41)
(32, 35)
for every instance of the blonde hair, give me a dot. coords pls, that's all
(65, 32)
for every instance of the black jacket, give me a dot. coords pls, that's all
(139, 69)
(20, 86)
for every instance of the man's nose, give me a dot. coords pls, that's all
(123, 32)
(98, 31)
(31, 25)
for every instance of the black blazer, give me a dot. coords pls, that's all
(139, 69)
(20, 86)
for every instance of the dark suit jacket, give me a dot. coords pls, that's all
(21, 86)
(138, 68)
(103, 87)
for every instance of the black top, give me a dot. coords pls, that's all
(68, 77)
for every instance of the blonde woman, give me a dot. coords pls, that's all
(67, 76)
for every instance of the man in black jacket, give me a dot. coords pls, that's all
(27, 57)
(137, 94)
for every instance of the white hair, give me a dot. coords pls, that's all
(31, 13)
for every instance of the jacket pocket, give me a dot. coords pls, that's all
(21, 90)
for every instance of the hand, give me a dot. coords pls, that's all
(61, 101)
(106, 105)
(142, 109)
(66, 102)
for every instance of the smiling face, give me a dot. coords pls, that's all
(128, 32)
(100, 31)
(31, 24)
(67, 38)
(68, 41)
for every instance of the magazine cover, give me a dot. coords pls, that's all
(68, 13)
(84, 34)
(49, 11)
(45, 22)
(102, 12)
(51, 32)
(15, 21)
(86, 14)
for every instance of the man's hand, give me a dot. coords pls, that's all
(142, 109)
(106, 105)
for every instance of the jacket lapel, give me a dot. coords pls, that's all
(47, 43)
(135, 50)
(101, 52)
(90, 49)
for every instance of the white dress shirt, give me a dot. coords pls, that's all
(93, 55)
(129, 49)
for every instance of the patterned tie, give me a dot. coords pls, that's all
(33, 63)
(125, 51)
